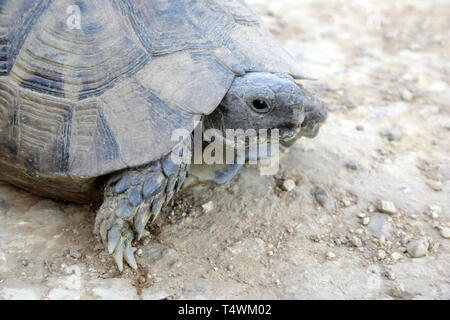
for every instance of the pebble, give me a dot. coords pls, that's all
(356, 242)
(436, 185)
(396, 256)
(289, 185)
(418, 248)
(397, 291)
(330, 255)
(394, 134)
(230, 267)
(351, 164)
(434, 211)
(366, 221)
(361, 215)
(387, 207)
(379, 225)
(360, 128)
(389, 274)
(208, 207)
(324, 199)
(406, 95)
(444, 232)
(346, 202)
(381, 254)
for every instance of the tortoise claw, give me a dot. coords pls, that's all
(118, 255)
(113, 239)
(129, 255)
(130, 201)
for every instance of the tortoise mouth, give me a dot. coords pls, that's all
(288, 136)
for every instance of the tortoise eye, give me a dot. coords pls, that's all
(260, 106)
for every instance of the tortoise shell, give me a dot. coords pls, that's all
(78, 103)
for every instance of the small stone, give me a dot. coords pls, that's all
(366, 221)
(418, 248)
(324, 199)
(139, 252)
(346, 202)
(359, 231)
(389, 274)
(330, 255)
(356, 242)
(387, 207)
(397, 291)
(434, 215)
(360, 127)
(208, 207)
(394, 134)
(230, 267)
(351, 164)
(436, 185)
(361, 215)
(379, 225)
(381, 254)
(444, 232)
(396, 256)
(434, 211)
(406, 95)
(289, 185)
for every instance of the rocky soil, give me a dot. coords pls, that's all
(368, 207)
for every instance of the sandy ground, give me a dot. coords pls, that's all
(384, 71)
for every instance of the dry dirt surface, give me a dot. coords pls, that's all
(368, 217)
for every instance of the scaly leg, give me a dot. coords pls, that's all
(134, 196)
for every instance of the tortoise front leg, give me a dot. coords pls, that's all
(134, 196)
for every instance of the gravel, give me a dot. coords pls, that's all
(289, 185)
(397, 291)
(324, 199)
(418, 248)
(387, 207)
(444, 232)
(380, 226)
(394, 134)
(208, 207)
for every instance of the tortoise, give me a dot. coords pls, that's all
(92, 91)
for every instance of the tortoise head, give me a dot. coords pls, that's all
(260, 100)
